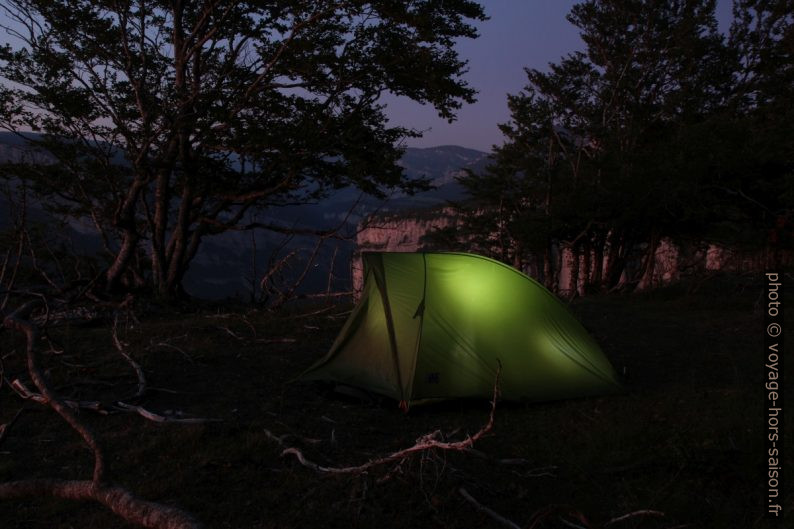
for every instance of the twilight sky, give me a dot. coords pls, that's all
(520, 33)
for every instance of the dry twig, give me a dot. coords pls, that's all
(6, 427)
(23, 391)
(156, 417)
(433, 440)
(490, 512)
(559, 510)
(169, 345)
(643, 512)
(120, 347)
(116, 498)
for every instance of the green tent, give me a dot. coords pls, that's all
(437, 325)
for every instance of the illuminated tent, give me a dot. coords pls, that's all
(437, 325)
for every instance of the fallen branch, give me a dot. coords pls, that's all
(426, 442)
(135, 365)
(251, 326)
(536, 472)
(116, 498)
(15, 321)
(156, 417)
(559, 510)
(175, 348)
(490, 512)
(282, 438)
(572, 525)
(231, 333)
(273, 269)
(499, 461)
(322, 295)
(5, 428)
(276, 340)
(119, 406)
(22, 390)
(643, 512)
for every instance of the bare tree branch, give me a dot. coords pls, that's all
(116, 498)
(433, 440)
(490, 512)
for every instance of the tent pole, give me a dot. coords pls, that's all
(380, 281)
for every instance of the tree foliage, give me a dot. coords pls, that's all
(661, 127)
(170, 120)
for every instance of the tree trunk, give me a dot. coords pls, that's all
(537, 267)
(161, 204)
(649, 264)
(573, 287)
(586, 269)
(129, 243)
(558, 270)
(517, 253)
(547, 268)
(124, 219)
(177, 264)
(598, 258)
(615, 260)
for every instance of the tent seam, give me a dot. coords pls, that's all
(389, 324)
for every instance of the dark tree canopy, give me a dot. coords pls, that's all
(170, 120)
(661, 127)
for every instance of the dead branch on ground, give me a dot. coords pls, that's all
(120, 347)
(490, 512)
(558, 511)
(431, 441)
(290, 291)
(239, 338)
(561, 511)
(643, 512)
(118, 499)
(6, 427)
(24, 392)
(156, 417)
(168, 345)
(267, 283)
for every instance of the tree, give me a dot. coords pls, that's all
(613, 144)
(759, 187)
(169, 121)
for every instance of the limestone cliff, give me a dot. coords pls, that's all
(400, 232)
(404, 232)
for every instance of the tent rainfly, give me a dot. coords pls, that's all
(436, 326)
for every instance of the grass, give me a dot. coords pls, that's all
(685, 439)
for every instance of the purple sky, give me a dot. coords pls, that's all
(519, 33)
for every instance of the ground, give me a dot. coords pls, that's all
(685, 439)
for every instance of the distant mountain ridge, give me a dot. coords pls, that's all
(444, 161)
(223, 266)
(440, 165)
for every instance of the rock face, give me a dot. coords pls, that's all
(405, 231)
(400, 232)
